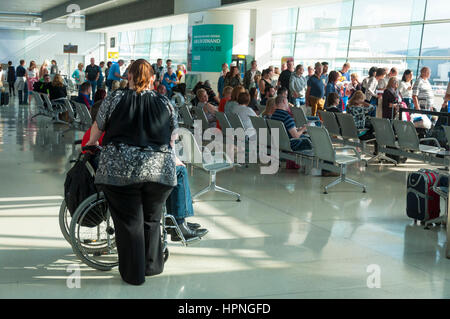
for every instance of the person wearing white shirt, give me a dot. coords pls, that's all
(297, 86)
(244, 112)
(405, 88)
(372, 86)
(422, 93)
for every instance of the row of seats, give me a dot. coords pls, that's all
(78, 116)
(322, 156)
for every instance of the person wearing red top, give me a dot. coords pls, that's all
(226, 97)
(100, 95)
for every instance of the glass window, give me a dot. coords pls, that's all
(179, 32)
(324, 16)
(178, 51)
(143, 36)
(282, 45)
(161, 34)
(142, 49)
(284, 20)
(438, 9)
(159, 50)
(435, 41)
(376, 12)
(385, 42)
(321, 44)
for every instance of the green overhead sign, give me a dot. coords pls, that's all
(212, 45)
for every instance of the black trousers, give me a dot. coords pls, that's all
(11, 88)
(136, 212)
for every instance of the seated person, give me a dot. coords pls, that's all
(123, 84)
(170, 80)
(245, 111)
(333, 103)
(360, 109)
(43, 85)
(212, 97)
(99, 96)
(179, 205)
(298, 142)
(115, 85)
(232, 103)
(270, 108)
(94, 110)
(254, 100)
(209, 109)
(268, 93)
(226, 97)
(57, 89)
(84, 95)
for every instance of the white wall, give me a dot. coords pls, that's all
(47, 43)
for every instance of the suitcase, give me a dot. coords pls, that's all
(422, 203)
(5, 98)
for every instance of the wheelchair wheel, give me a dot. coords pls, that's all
(92, 234)
(64, 221)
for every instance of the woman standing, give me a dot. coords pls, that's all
(233, 78)
(33, 77)
(391, 99)
(405, 88)
(333, 88)
(44, 69)
(79, 75)
(265, 82)
(137, 170)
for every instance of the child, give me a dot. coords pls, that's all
(333, 101)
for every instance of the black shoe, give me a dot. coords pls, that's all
(193, 225)
(187, 232)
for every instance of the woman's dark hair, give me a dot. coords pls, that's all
(108, 64)
(407, 72)
(380, 72)
(142, 73)
(85, 86)
(265, 72)
(333, 77)
(267, 88)
(243, 98)
(100, 94)
(281, 90)
(332, 99)
(253, 93)
(372, 71)
(230, 73)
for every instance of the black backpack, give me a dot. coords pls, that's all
(79, 185)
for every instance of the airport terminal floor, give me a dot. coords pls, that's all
(285, 239)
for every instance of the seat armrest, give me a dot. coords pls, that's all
(431, 139)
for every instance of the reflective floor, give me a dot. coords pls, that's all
(284, 240)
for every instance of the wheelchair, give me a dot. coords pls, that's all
(90, 231)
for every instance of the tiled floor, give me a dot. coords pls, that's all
(284, 240)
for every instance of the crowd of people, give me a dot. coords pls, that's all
(138, 170)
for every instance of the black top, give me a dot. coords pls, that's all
(284, 78)
(11, 74)
(20, 71)
(92, 71)
(41, 87)
(139, 120)
(389, 97)
(57, 92)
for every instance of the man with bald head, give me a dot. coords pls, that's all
(423, 96)
(92, 74)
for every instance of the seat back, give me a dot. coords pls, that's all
(260, 123)
(384, 133)
(407, 135)
(191, 150)
(223, 121)
(186, 116)
(348, 126)
(284, 141)
(200, 115)
(322, 146)
(69, 109)
(83, 113)
(47, 101)
(330, 122)
(38, 100)
(447, 133)
(299, 116)
(235, 121)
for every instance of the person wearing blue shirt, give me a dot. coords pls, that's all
(114, 73)
(345, 71)
(315, 90)
(169, 80)
(84, 95)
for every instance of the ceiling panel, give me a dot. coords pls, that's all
(28, 6)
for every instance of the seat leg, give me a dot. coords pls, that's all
(382, 157)
(338, 181)
(351, 181)
(203, 191)
(226, 191)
